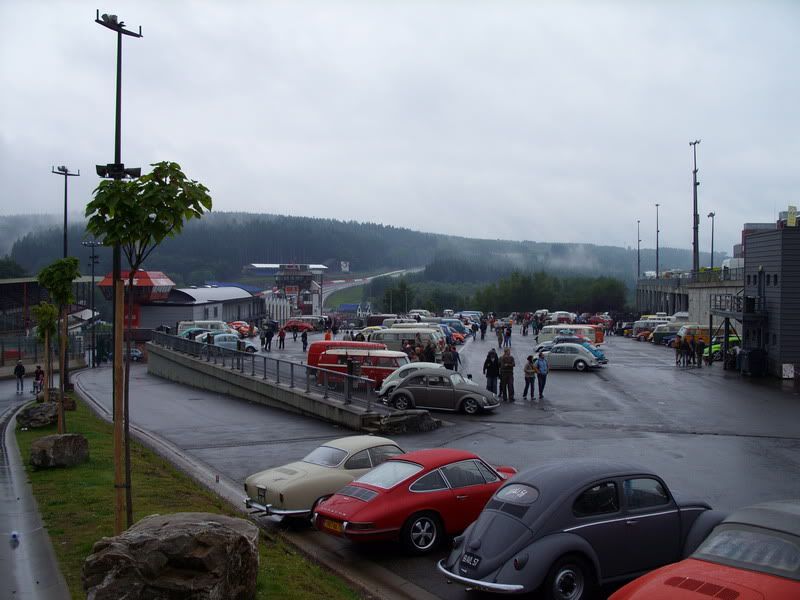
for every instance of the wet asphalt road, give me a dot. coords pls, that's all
(710, 434)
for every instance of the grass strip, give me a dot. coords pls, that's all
(76, 505)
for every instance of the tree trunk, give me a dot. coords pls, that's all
(48, 374)
(62, 351)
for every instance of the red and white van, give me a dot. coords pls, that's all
(373, 364)
(318, 347)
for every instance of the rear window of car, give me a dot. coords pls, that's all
(518, 493)
(753, 548)
(325, 456)
(390, 473)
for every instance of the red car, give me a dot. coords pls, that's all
(417, 498)
(298, 326)
(754, 554)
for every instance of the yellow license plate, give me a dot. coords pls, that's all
(332, 525)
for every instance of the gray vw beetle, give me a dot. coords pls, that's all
(441, 389)
(568, 526)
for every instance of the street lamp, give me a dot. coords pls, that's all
(92, 262)
(695, 216)
(117, 170)
(638, 251)
(657, 232)
(711, 216)
(62, 170)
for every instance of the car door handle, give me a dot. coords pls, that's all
(461, 497)
(631, 522)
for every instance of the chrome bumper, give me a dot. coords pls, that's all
(268, 510)
(477, 584)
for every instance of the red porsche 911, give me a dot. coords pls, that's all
(418, 498)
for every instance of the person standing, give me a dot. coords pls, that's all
(19, 373)
(484, 325)
(264, 337)
(38, 379)
(294, 334)
(281, 338)
(430, 352)
(507, 365)
(447, 359)
(676, 343)
(700, 348)
(530, 378)
(507, 334)
(304, 339)
(542, 368)
(491, 368)
(268, 344)
(499, 331)
(474, 329)
(456, 357)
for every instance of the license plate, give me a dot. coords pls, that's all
(470, 561)
(332, 525)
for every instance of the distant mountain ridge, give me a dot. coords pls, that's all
(221, 243)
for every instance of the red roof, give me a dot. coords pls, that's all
(148, 285)
(436, 457)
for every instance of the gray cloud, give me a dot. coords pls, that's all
(551, 121)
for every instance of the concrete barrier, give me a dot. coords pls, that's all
(188, 370)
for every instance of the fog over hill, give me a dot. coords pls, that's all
(219, 244)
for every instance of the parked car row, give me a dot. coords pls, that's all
(562, 528)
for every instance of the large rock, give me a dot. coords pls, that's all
(38, 415)
(64, 450)
(408, 421)
(198, 556)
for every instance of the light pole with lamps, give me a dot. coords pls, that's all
(695, 216)
(117, 170)
(638, 251)
(62, 170)
(657, 232)
(711, 216)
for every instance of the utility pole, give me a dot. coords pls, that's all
(638, 251)
(117, 170)
(695, 216)
(657, 232)
(711, 216)
(92, 262)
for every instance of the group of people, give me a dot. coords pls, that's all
(38, 378)
(420, 352)
(267, 335)
(501, 369)
(688, 351)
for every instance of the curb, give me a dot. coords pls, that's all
(373, 581)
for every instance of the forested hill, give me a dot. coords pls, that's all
(217, 246)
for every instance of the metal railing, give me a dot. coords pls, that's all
(737, 303)
(349, 389)
(30, 350)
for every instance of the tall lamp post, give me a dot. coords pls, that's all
(62, 170)
(657, 232)
(117, 170)
(638, 251)
(92, 262)
(711, 216)
(695, 216)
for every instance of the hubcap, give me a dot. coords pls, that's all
(401, 403)
(568, 584)
(470, 406)
(423, 533)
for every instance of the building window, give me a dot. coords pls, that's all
(775, 279)
(205, 313)
(216, 312)
(748, 280)
(774, 339)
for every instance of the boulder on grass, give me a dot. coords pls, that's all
(38, 415)
(63, 450)
(197, 556)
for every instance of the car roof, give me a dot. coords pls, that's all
(431, 371)
(564, 474)
(436, 457)
(423, 365)
(364, 352)
(358, 442)
(782, 515)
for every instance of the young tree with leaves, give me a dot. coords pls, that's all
(138, 215)
(46, 316)
(57, 279)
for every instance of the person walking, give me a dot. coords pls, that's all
(700, 348)
(676, 344)
(507, 365)
(281, 338)
(474, 329)
(264, 338)
(38, 379)
(304, 339)
(484, 325)
(447, 359)
(19, 373)
(542, 368)
(294, 334)
(491, 368)
(268, 344)
(530, 378)
(507, 335)
(499, 331)
(456, 357)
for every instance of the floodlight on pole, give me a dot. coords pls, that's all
(638, 251)
(657, 232)
(711, 216)
(62, 170)
(695, 216)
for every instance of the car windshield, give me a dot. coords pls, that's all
(326, 456)
(390, 473)
(753, 548)
(456, 378)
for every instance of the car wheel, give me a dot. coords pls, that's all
(401, 402)
(717, 355)
(422, 533)
(569, 579)
(317, 502)
(470, 406)
(580, 365)
(250, 349)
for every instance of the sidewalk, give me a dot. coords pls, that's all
(28, 566)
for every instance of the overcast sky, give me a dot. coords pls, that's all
(547, 121)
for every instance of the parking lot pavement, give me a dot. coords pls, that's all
(709, 433)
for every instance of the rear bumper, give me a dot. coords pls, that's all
(268, 509)
(477, 584)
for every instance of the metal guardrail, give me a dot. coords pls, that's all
(705, 276)
(737, 304)
(358, 391)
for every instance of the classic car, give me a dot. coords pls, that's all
(441, 390)
(717, 344)
(568, 526)
(298, 326)
(232, 341)
(393, 380)
(571, 356)
(417, 498)
(753, 554)
(294, 489)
